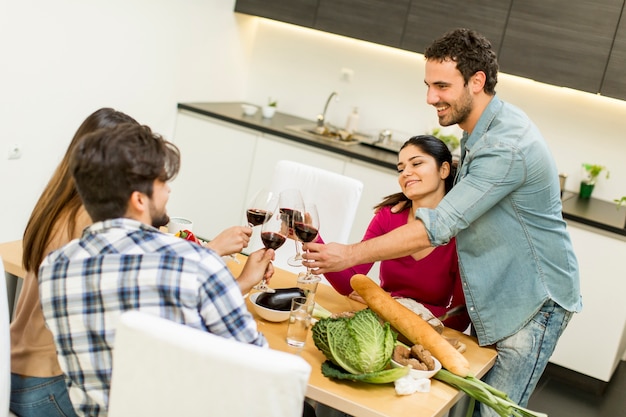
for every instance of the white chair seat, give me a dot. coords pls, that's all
(162, 368)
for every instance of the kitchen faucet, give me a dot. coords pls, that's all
(321, 118)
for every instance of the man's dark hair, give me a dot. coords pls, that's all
(471, 51)
(112, 163)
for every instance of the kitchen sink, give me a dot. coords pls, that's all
(380, 140)
(329, 132)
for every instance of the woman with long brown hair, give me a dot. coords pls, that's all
(37, 382)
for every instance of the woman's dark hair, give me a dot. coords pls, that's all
(434, 147)
(59, 201)
(471, 51)
(110, 164)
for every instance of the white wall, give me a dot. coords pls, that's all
(62, 60)
(300, 67)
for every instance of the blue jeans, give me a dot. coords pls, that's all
(40, 397)
(523, 357)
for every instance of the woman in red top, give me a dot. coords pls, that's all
(431, 276)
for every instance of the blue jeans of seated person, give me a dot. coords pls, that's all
(40, 397)
(523, 357)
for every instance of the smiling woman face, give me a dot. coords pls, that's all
(419, 176)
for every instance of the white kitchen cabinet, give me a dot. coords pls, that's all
(216, 161)
(594, 342)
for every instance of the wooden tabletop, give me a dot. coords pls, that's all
(11, 253)
(355, 398)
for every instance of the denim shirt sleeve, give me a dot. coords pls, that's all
(488, 174)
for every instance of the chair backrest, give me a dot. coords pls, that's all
(162, 368)
(337, 198)
(5, 347)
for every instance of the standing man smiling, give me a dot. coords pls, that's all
(519, 271)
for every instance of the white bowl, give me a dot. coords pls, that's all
(249, 109)
(417, 374)
(267, 313)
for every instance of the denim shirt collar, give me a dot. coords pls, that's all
(485, 120)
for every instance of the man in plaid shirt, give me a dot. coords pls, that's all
(123, 262)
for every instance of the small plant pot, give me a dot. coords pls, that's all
(585, 190)
(268, 111)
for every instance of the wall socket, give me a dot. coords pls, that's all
(15, 152)
(346, 75)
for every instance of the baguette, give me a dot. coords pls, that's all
(410, 325)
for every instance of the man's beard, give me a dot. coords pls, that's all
(158, 219)
(459, 111)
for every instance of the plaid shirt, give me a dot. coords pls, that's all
(120, 265)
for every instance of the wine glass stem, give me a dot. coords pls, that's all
(298, 254)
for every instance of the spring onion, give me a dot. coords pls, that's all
(486, 394)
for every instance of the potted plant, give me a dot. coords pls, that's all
(451, 141)
(591, 172)
(270, 108)
(621, 201)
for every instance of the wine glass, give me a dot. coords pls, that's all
(273, 234)
(263, 203)
(307, 228)
(291, 208)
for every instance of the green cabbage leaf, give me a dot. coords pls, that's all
(381, 377)
(360, 345)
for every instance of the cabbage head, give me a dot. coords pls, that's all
(360, 344)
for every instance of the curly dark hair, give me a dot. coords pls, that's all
(471, 51)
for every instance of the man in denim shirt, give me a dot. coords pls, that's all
(519, 271)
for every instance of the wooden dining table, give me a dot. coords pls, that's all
(355, 398)
(359, 398)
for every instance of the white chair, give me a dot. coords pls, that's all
(337, 198)
(162, 368)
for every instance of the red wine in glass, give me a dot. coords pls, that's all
(257, 217)
(272, 240)
(288, 214)
(305, 232)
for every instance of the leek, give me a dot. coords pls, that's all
(486, 394)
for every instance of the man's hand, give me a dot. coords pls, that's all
(399, 207)
(333, 257)
(231, 240)
(330, 257)
(258, 266)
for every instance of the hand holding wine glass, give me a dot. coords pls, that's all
(273, 235)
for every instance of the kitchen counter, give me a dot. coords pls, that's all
(597, 214)
(231, 112)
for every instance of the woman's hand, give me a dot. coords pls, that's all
(356, 297)
(231, 240)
